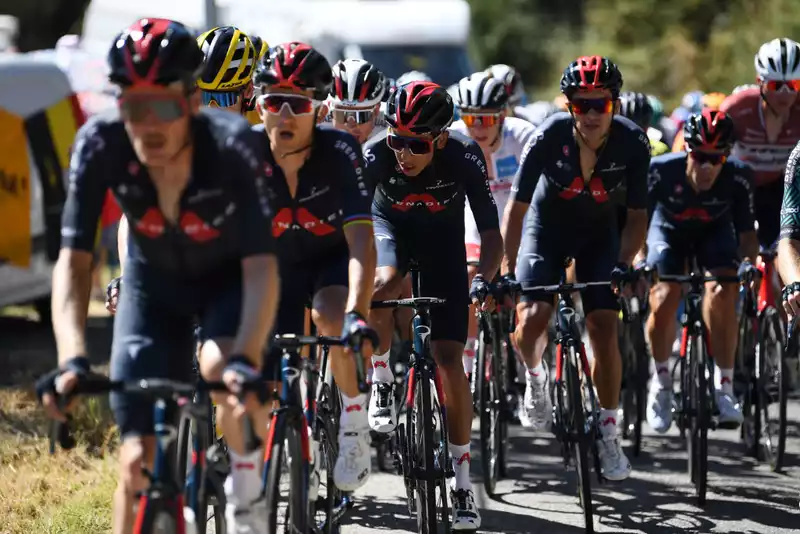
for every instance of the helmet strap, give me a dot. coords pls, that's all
(585, 141)
(766, 102)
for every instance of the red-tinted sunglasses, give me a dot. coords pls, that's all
(298, 104)
(582, 106)
(480, 119)
(781, 85)
(704, 157)
(414, 145)
(163, 108)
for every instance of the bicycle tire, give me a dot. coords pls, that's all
(770, 379)
(427, 508)
(297, 509)
(488, 391)
(750, 433)
(700, 417)
(642, 372)
(329, 451)
(156, 517)
(580, 439)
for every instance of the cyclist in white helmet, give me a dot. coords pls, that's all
(355, 99)
(412, 76)
(517, 99)
(483, 101)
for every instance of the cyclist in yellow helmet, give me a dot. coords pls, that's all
(713, 100)
(637, 107)
(226, 78)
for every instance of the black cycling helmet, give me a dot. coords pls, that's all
(420, 108)
(636, 107)
(154, 52)
(589, 73)
(709, 130)
(295, 66)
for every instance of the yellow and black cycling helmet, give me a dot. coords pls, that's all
(230, 59)
(260, 45)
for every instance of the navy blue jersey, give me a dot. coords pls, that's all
(225, 213)
(549, 176)
(674, 203)
(332, 193)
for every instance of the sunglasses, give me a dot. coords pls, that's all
(164, 109)
(359, 116)
(790, 86)
(582, 106)
(480, 119)
(415, 145)
(704, 157)
(297, 104)
(223, 99)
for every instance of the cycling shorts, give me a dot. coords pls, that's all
(441, 259)
(541, 262)
(154, 331)
(299, 283)
(668, 249)
(767, 200)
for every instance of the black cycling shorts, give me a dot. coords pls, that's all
(299, 283)
(154, 332)
(442, 259)
(716, 247)
(767, 200)
(541, 262)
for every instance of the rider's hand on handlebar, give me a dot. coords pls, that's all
(357, 334)
(791, 299)
(112, 295)
(60, 381)
(480, 293)
(620, 276)
(238, 371)
(747, 273)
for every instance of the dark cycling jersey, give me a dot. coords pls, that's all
(673, 203)
(332, 193)
(790, 208)
(224, 210)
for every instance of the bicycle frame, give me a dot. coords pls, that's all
(766, 291)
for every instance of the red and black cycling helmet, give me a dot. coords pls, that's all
(709, 130)
(589, 73)
(154, 52)
(419, 108)
(295, 66)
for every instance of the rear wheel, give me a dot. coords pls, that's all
(746, 386)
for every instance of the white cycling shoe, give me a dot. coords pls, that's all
(243, 518)
(354, 462)
(382, 414)
(613, 463)
(466, 516)
(536, 411)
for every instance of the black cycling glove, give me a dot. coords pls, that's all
(479, 288)
(47, 383)
(356, 330)
(113, 285)
(620, 274)
(746, 271)
(787, 291)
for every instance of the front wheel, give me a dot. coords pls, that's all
(773, 386)
(699, 418)
(581, 439)
(160, 516)
(488, 391)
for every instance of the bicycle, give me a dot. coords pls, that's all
(288, 441)
(576, 410)
(420, 445)
(762, 380)
(161, 505)
(695, 405)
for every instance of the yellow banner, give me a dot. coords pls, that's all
(15, 198)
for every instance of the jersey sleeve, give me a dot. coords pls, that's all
(637, 180)
(247, 169)
(350, 173)
(86, 190)
(479, 193)
(743, 209)
(530, 168)
(654, 180)
(374, 161)
(790, 208)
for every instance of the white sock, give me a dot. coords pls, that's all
(245, 480)
(723, 379)
(537, 374)
(468, 357)
(608, 422)
(382, 373)
(461, 463)
(354, 412)
(663, 375)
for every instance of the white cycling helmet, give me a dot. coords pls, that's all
(740, 88)
(513, 81)
(482, 91)
(357, 83)
(778, 60)
(412, 76)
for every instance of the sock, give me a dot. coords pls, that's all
(469, 355)
(381, 371)
(244, 482)
(354, 412)
(537, 374)
(663, 376)
(724, 380)
(608, 422)
(461, 463)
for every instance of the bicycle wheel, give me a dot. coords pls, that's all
(489, 391)
(773, 386)
(699, 417)
(287, 498)
(428, 462)
(328, 505)
(747, 388)
(634, 393)
(159, 517)
(579, 437)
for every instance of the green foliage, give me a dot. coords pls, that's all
(664, 48)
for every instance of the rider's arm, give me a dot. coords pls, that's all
(122, 242)
(484, 209)
(789, 244)
(635, 231)
(530, 168)
(653, 192)
(260, 279)
(72, 274)
(744, 212)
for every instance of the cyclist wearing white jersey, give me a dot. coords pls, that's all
(482, 100)
(517, 99)
(355, 99)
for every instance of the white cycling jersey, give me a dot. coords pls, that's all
(502, 169)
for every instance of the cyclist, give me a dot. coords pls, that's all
(576, 216)
(517, 99)
(482, 101)
(708, 101)
(537, 112)
(699, 200)
(356, 95)
(323, 230)
(423, 173)
(412, 76)
(789, 244)
(192, 185)
(664, 129)
(637, 107)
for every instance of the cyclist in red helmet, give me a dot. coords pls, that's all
(191, 184)
(574, 174)
(422, 175)
(701, 201)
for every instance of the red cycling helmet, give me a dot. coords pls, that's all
(709, 130)
(154, 52)
(419, 108)
(590, 73)
(295, 66)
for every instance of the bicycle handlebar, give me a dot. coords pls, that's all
(564, 288)
(696, 278)
(294, 341)
(418, 302)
